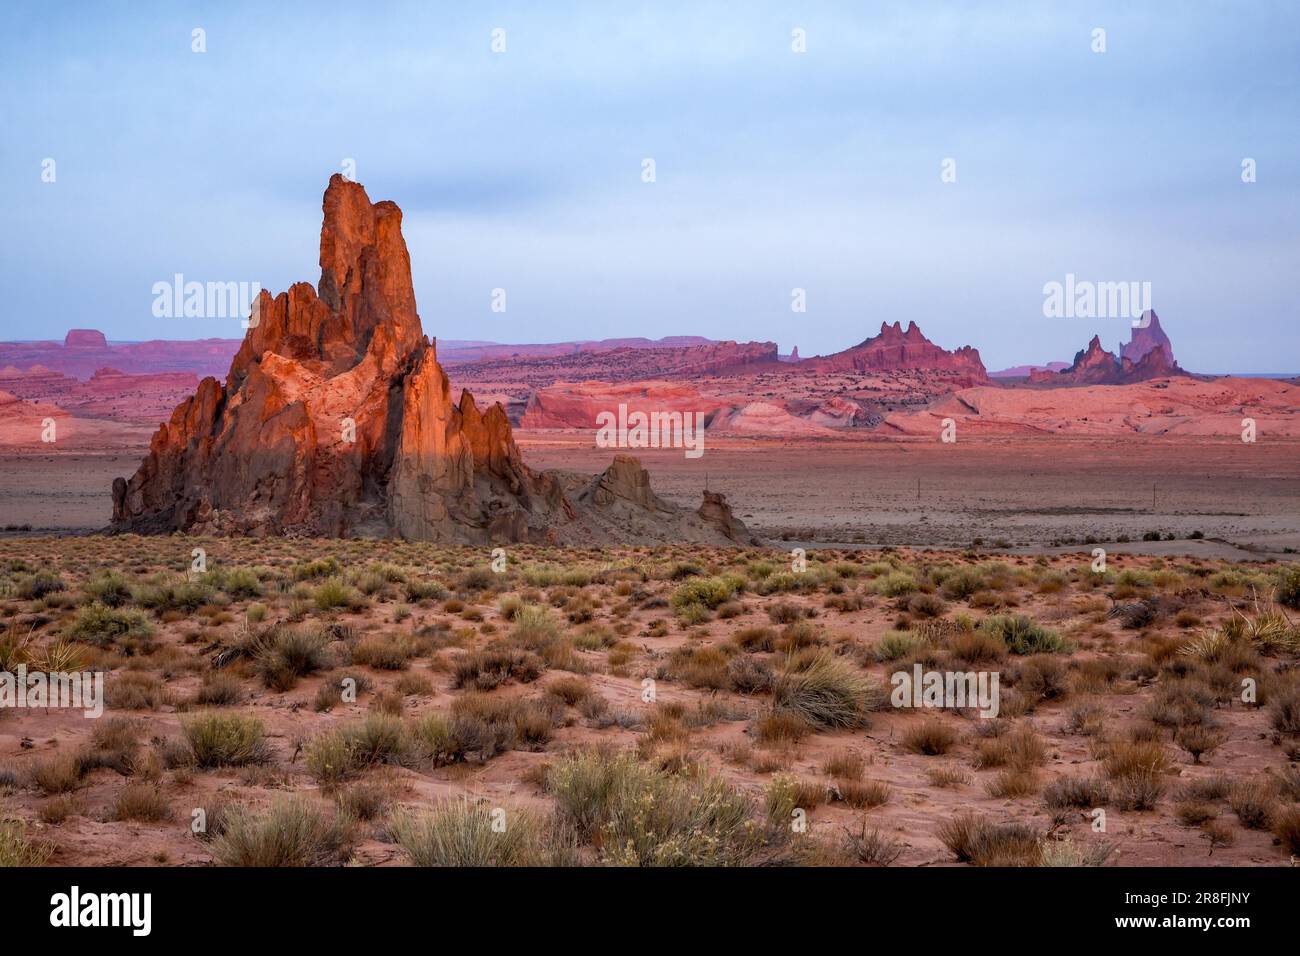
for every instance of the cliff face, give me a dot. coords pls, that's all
(337, 419)
(894, 349)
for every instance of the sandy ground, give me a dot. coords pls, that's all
(1024, 492)
(1018, 494)
(85, 828)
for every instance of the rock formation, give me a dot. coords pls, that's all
(894, 349)
(1144, 337)
(85, 339)
(1095, 366)
(336, 419)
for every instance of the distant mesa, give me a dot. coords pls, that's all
(336, 419)
(85, 339)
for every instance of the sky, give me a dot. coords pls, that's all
(774, 170)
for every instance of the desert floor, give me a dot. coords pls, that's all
(323, 702)
(1031, 494)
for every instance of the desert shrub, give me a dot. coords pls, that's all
(982, 842)
(1286, 827)
(781, 727)
(862, 794)
(109, 588)
(828, 691)
(785, 794)
(926, 605)
(929, 737)
(1021, 635)
(462, 833)
(385, 652)
(101, 626)
(486, 725)
(1287, 591)
(1080, 793)
(135, 690)
(334, 593)
(340, 754)
(844, 765)
(364, 801)
(637, 815)
(291, 832)
(1254, 804)
(1284, 711)
(895, 645)
(1067, 852)
(17, 850)
(1043, 677)
(281, 655)
(784, 612)
(534, 627)
(60, 773)
(894, 584)
(748, 675)
(238, 583)
(142, 802)
(218, 689)
(699, 667)
(34, 587)
(709, 592)
(225, 740)
(871, 846)
(1197, 740)
(976, 646)
(494, 666)
(755, 638)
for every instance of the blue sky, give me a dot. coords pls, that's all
(775, 170)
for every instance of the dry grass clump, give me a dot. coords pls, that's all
(1136, 769)
(845, 765)
(225, 740)
(827, 691)
(787, 795)
(219, 689)
(142, 802)
(982, 842)
(341, 754)
(135, 690)
(385, 652)
(490, 668)
(636, 815)
(102, 626)
(472, 833)
(292, 832)
(861, 794)
(1078, 793)
(1022, 635)
(1254, 802)
(930, 737)
(17, 849)
(871, 846)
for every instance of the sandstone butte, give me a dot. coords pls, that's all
(336, 419)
